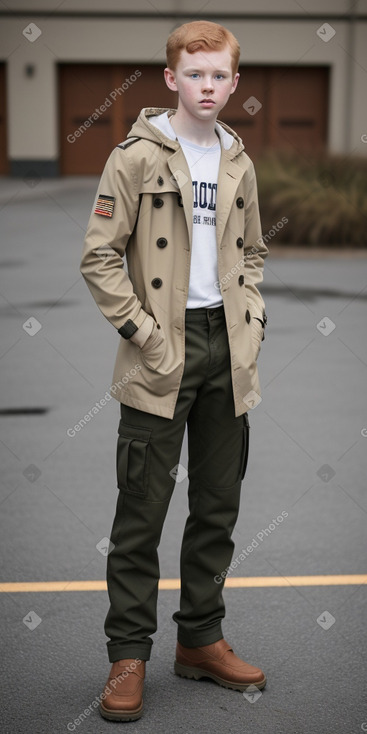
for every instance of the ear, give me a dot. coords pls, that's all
(235, 82)
(170, 79)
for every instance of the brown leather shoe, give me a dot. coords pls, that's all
(122, 697)
(217, 661)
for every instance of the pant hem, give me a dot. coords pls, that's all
(130, 650)
(199, 639)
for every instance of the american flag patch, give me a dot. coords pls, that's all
(105, 205)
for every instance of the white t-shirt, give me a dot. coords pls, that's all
(203, 163)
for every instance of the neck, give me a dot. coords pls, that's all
(200, 132)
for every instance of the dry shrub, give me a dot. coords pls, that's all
(323, 198)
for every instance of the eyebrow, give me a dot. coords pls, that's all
(216, 71)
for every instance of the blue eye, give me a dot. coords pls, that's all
(195, 74)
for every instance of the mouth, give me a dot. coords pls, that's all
(207, 102)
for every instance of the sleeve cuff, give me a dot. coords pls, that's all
(143, 332)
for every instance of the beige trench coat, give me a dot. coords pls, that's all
(151, 200)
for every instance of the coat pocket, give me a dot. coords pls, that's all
(133, 459)
(257, 333)
(152, 353)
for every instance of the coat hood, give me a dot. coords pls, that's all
(143, 128)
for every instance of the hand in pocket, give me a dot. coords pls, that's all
(154, 349)
(256, 336)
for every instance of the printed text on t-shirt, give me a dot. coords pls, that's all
(205, 195)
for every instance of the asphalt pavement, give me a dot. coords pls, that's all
(308, 447)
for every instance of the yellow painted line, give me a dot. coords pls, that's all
(262, 581)
(235, 582)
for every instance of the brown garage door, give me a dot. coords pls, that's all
(87, 132)
(4, 166)
(293, 112)
(273, 107)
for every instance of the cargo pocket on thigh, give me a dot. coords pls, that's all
(246, 438)
(133, 458)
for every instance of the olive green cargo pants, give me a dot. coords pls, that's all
(148, 453)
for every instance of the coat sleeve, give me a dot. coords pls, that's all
(255, 250)
(105, 243)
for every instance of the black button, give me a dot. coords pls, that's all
(156, 282)
(241, 279)
(240, 202)
(160, 181)
(248, 316)
(158, 203)
(179, 200)
(239, 242)
(161, 241)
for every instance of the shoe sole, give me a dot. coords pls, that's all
(120, 715)
(186, 671)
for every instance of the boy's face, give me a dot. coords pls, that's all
(204, 82)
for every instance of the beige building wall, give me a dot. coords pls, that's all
(288, 36)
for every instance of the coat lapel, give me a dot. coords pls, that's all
(178, 166)
(229, 177)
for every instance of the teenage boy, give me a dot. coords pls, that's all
(179, 198)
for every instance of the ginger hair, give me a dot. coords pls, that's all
(201, 35)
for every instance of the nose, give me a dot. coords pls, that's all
(207, 84)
